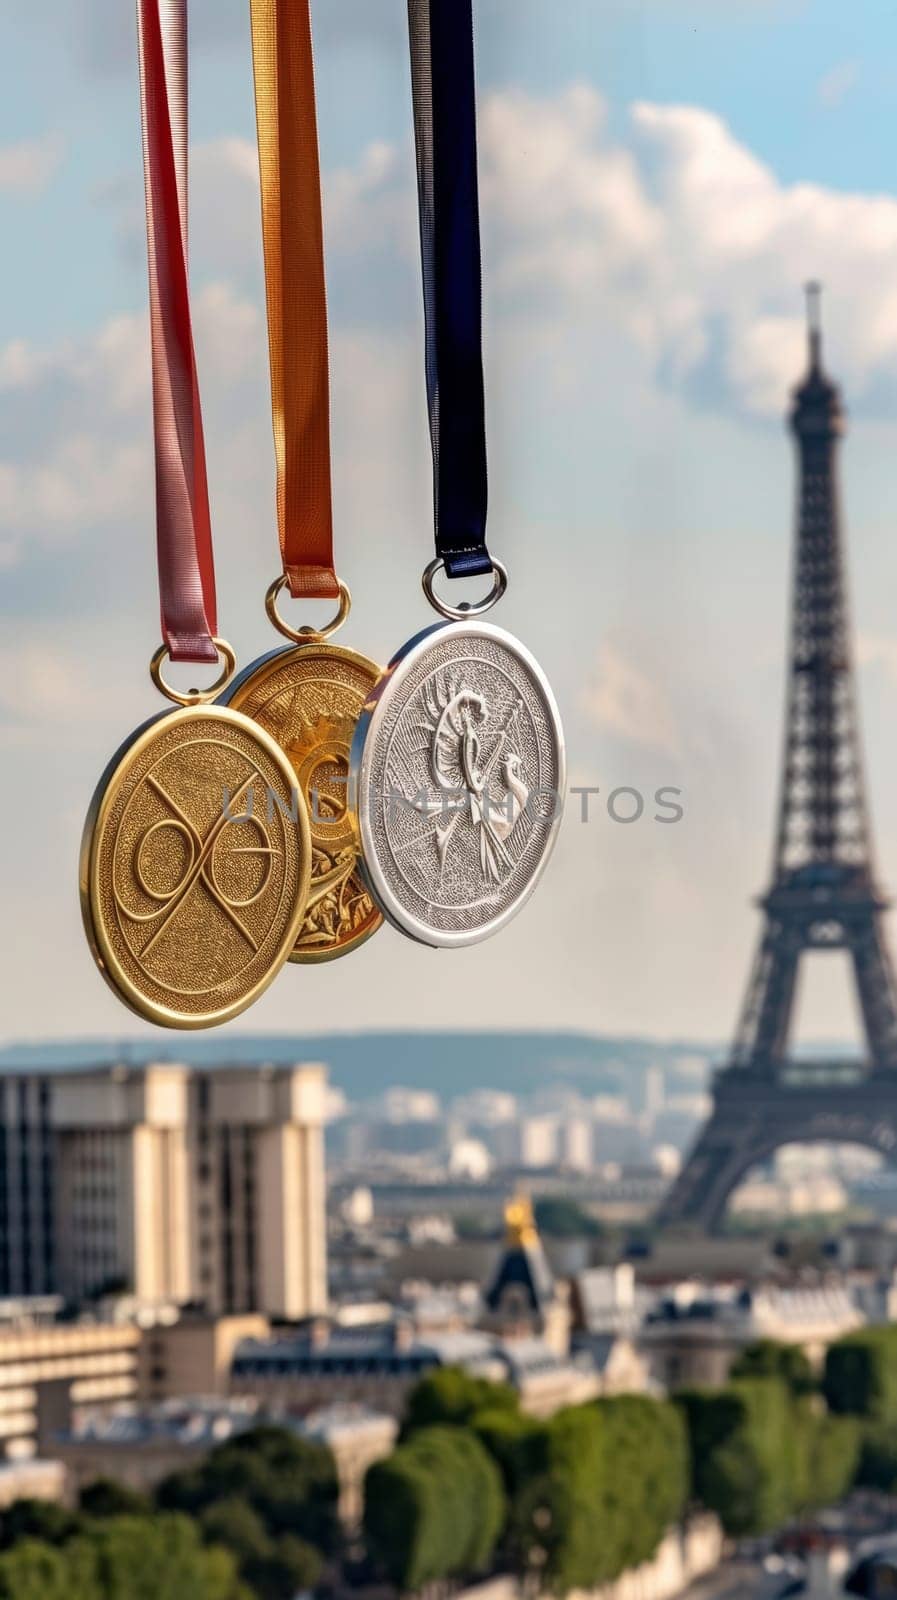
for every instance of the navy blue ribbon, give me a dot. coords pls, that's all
(444, 93)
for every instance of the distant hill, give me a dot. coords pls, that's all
(364, 1064)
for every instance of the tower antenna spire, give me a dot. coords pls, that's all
(813, 291)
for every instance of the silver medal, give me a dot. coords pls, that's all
(457, 781)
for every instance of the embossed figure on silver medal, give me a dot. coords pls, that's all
(465, 784)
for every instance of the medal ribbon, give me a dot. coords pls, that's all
(183, 527)
(293, 237)
(444, 94)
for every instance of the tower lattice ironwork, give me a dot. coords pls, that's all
(824, 894)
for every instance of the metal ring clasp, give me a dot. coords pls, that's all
(466, 609)
(194, 697)
(306, 635)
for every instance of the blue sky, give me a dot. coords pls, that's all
(763, 65)
(658, 178)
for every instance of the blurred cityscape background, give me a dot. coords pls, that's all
(237, 1284)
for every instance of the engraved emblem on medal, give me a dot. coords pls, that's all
(309, 700)
(458, 777)
(195, 866)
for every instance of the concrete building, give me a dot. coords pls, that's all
(575, 1139)
(139, 1446)
(693, 1335)
(323, 1363)
(607, 1300)
(522, 1338)
(55, 1372)
(618, 1364)
(31, 1480)
(192, 1355)
(356, 1438)
(377, 1366)
(175, 1183)
(48, 1366)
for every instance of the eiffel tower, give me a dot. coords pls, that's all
(824, 894)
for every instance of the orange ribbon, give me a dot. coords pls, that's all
(293, 236)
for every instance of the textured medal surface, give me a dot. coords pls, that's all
(309, 699)
(194, 873)
(458, 778)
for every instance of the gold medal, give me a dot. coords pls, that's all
(195, 866)
(309, 699)
(196, 853)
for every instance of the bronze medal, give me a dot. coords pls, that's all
(309, 699)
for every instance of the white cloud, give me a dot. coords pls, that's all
(622, 699)
(674, 235)
(673, 243)
(682, 236)
(92, 397)
(29, 164)
(676, 239)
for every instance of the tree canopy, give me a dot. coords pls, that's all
(435, 1507)
(289, 1482)
(860, 1377)
(124, 1558)
(767, 1358)
(451, 1395)
(232, 1528)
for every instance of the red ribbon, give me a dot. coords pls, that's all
(183, 527)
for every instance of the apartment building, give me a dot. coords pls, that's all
(171, 1183)
(50, 1368)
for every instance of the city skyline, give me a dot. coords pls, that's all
(639, 356)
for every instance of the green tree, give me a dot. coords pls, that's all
(609, 1478)
(32, 1570)
(41, 1520)
(824, 1455)
(289, 1566)
(234, 1524)
(860, 1376)
(742, 1452)
(451, 1395)
(644, 1478)
(106, 1498)
(555, 1531)
(877, 1468)
(834, 1460)
(186, 1491)
(562, 1218)
(473, 1496)
(289, 1482)
(122, 1558)
(515, 1441)
(403, 1521)
(141, 1558)
(767, 1358)
(434, 1508)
